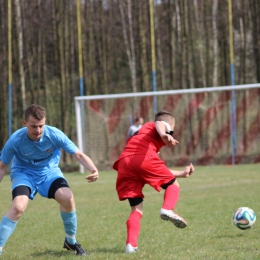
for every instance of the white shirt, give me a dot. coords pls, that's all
(132, 129)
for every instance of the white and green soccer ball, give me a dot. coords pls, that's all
(244, 218)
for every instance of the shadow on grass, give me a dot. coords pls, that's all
(243, 249)
(108, 250)
(51, 253)
(230, 236)
(58, 254)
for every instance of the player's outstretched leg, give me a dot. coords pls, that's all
(171, 196)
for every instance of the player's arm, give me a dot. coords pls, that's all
(161, 129)
(84, 160)
(3, 169)
(184, 174)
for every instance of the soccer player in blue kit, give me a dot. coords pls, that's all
(35, 150)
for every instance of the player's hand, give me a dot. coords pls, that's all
(168, 139)
(189, 170)
(92, 177)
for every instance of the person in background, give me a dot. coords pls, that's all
(35, 151)
(135, 127)
(139, 164)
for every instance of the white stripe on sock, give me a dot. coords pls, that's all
(72, 237)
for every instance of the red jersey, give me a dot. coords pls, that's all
(147, 141)
(139, 164)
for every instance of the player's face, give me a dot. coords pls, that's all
(172, 125)
(34, 128)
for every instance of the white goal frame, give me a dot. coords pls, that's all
(79, 100)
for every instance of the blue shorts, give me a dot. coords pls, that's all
(37, 181)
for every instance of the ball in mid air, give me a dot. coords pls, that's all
(244, 218)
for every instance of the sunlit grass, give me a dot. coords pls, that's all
(207, 201)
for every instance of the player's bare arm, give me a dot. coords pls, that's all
(84, 160)
(184, 174)
(161, 129)
(3, 169)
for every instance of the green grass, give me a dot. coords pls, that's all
(207, 201)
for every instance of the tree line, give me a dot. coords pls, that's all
(192, 46)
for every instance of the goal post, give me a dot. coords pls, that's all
(204, 126)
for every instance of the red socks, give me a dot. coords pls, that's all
(133, 228)
(171, 197)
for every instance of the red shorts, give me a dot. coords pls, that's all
(137, 170)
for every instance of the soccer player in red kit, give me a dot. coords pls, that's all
(139, 164)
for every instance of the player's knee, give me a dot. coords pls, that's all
(20, 200)
(136, 205)
(165, 186)
(18, 207)
(64, 195)
(68, 198)
(138, 208)
(65, 198)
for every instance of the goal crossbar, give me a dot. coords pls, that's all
(166, 92)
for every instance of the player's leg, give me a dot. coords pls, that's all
(9, 221)
(68, 215)
(171, 197)
(60, 191)
(129, 186)
(133, 224)
(171, 194)
(156, 174)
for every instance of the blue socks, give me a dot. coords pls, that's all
(70, 225)
(7, 227)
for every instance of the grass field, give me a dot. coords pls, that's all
(207, 201)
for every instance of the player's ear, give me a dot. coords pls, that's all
(172, 124)
(24, 122)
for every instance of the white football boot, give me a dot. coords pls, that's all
(177, 220)
(130, 249)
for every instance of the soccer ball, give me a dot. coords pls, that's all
(244, 218)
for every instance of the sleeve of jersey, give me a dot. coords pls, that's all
(8, 152)
(66, 144)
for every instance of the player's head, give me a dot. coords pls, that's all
(35, 111)
(139, 120)
(165, 116)
(34, 120)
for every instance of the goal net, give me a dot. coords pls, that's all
(217, 125)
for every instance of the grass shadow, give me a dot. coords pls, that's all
(57, 254)
(108, 250)
(51, 253)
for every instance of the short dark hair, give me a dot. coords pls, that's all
(35, 111)
(138, 118)
(164, 116)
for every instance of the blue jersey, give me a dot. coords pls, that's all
(41, 155)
